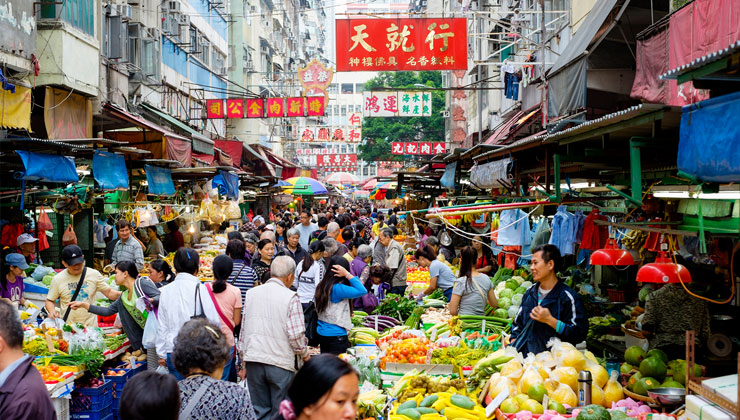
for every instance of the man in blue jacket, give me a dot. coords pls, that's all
(549, 308)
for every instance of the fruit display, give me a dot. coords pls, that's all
(440, 405)
(413, 384)
(644, 371)
(417, 275)
(53, 373)
(460, 356)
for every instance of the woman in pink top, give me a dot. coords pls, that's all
(227, 299)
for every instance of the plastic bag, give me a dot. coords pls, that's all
(613, 391)
(566, 355)
(567, 376)
(564, 395)
(234, 212)
(164, 371)
(598, 373)
(512, 369)
(499, 384)
(69, 237)
(530, 377)
(41, 271)
(43, 222)
(149, 338)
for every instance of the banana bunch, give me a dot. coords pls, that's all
(471, 217)
(454, 220)
(634, 239)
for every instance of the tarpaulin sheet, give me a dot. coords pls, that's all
(233, 149)
(15, 108)
(566, 91)
(48, 168)
(159, 180)
(109, 170)
(491, 175)
(227, 184)
(223, 158)
(204, 157)
(702, 27)
(179, 150)
(67, 115)
(448, 178)
(709, 143)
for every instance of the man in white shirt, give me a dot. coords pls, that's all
(305, 228)
(183, 299)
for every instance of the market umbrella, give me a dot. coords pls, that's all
(386, 185)
(342, 178)
(303, 186)
(370, 185)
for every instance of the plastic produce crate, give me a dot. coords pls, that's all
(119, 381)
(86, 400)
(104, 414)
(61, 406)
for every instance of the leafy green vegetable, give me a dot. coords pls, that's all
(92, 359)
(395, 306)
(438, 294)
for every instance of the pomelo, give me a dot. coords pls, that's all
(653, 367)
(537, 392)
(633, 380)
(634, 355)
(554, 405)
(671, 384)
(659, 354)
(643, 385)
(509, 405)
(521, 399)
(625, 368)
(532, 406)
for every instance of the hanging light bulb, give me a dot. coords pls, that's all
(611, 255)
(192, 228)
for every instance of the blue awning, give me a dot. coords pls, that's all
(44, 167)
(109, 170)
(159, 180)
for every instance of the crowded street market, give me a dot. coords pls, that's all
(510, 210)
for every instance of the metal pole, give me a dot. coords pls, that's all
(479, 93)
(543, 37)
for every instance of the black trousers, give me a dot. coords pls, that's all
(334, 345)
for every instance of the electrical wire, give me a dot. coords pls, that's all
(732, 274)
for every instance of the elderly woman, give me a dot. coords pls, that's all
(250, 243)
(292, 246)
(201, 354)
(331, 246)
(359, 266)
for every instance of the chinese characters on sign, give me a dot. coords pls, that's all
(343, 160)
(397, 104)
(354, 119)
(265, 108)
(315, 78)
(401, 44)
(414, 148)
(346, 134)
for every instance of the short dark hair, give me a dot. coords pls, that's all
(186, 261)
(236, 249)
(200, 344)
(128, 267)
(235, 235)
(426, 252)
(150, 395)
(323, 221)
(172, 226)
(261, 244)
(348, 234)
(381, 217)
(163, 267)
(315, 379)
(550, 253)
(11, 328)
(306, 213)
(123, 223)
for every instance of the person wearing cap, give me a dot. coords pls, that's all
(26, 246)
(64, 284)
(11, 282)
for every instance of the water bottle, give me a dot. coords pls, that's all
(584, 388)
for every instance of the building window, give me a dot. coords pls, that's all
(347, 88)
(358, 108)
(333, 88)
(344, 111)
(359, 87)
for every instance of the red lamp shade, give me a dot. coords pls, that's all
(611, 255)
(663, 271)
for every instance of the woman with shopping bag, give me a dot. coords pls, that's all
(137, 302)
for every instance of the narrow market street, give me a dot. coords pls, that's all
(369, 209)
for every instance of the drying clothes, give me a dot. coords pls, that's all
(513, 228)
(594, 236)
(511, 86)
(564, 231)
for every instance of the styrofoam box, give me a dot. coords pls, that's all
(725, 386)
(698, 406)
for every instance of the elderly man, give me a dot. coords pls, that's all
(23, 394)
(305, 228)
(76, 282)
(26, 245)
(268, 234)
(394, 259)
(333, 231)
(272, 338)
(127, 248)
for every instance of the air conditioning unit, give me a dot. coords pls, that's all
(124, 10)
(221, 71)
(173, 5)
(248, 64)
(252, 9)
(184, 20)
(112, 9)
(265, 50)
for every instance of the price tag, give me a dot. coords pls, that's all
(49, 343)
(132, 360)
(491, 408)
(483, 327)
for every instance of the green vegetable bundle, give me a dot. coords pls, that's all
(492, 324)
(458, 356)
(415, 317)
(396, 306)
(92, 359)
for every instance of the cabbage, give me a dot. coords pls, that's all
(520, 290)
(506, 293)
(504, 303)
(516, 299)
(644, 292)
(499, 287)
(512, 284)
(519, 279)
(527, 284)
(500, 313)
(512, 311)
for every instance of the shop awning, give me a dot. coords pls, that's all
(201, 143)
(16, 106)
(269, 165)
(233, 149)
(503, 129)
(704, 65)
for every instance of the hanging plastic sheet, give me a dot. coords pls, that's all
(48, 168)
(227, 184)
(492, 174)
(448, 178)
(159, 180)
(709, 142)
(566, 92)
(109, 170)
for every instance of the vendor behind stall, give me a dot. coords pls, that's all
(26, 244)
(472, 290)
(65, 284)
(549, 308)
(669, 313)
(441, 276)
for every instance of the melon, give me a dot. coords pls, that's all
(633, 380)
(634, 355)
(625, 368)
(593, 412)
(653, 367)
(660, 354)
(532, 406)
(509, 406)
(671, 384)
(645, 384)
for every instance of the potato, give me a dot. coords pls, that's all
(141, 358)
(137, 353)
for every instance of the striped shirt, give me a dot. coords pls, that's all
(128, 251)
(242, 276)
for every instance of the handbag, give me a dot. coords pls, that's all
(69, 237)
(312, 323)
(369, 301)
(197, 300)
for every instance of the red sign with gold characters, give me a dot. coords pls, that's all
(296, 107)
(414, 148)
(411, 44)
(316, 106)
(255, 108)
(336, 160)
(275, 107)
(315, 78)
(234, 108)
(215, 108)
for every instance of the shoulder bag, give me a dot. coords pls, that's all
(76, 293)
(194, 400)
(229, 323)
(311, 319)
(195, 304)
(480, 291)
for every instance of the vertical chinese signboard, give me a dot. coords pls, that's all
(412, 44)
(315, 79)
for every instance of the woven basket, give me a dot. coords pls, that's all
(634, 333)
(638, 397)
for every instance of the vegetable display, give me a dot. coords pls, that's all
(395, 306)
(92, 359)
